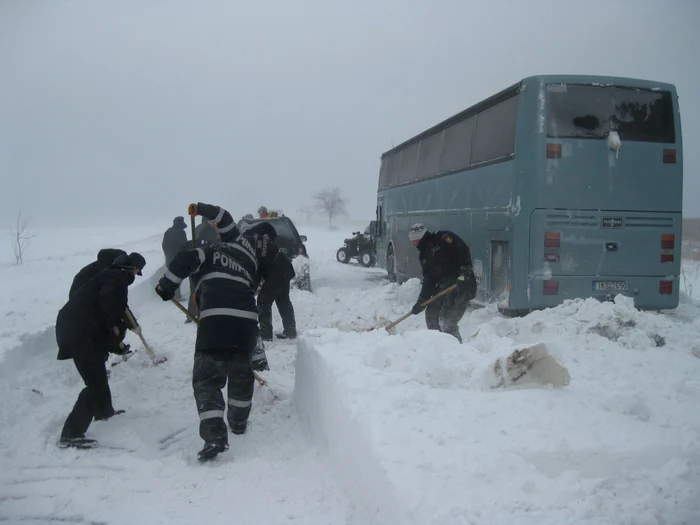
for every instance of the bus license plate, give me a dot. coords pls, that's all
(610, 286)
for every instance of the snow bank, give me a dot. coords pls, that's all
(418, 435)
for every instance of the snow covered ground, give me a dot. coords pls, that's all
(377, 428)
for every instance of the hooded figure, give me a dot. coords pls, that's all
(174, 239)
(88, 328)
(105, 257)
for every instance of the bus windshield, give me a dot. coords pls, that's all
(590, 111)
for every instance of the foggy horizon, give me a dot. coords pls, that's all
(138, 108)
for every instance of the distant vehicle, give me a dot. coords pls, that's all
(360, 247)
(290, 243)
(563, 186)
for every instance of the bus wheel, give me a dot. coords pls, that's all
(391, 264)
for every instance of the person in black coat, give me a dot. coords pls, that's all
(105, 258)
(446, 260)
(88, 328)
(276, 271)
(174, 239)
(223, 280)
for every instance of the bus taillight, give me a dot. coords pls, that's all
(669, 156)
(665, 287)
(553, 151)
(552, 239)
(667, 247)
(550, 287)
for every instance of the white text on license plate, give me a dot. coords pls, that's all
(610, 286)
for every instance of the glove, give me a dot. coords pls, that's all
(119, 348)
(164, 294)
(192, 210)
(417, 308)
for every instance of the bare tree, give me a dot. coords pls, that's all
(330, 202)
(20, 237)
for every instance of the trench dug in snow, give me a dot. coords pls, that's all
(416, 432)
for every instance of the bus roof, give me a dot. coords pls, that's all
(524, 84)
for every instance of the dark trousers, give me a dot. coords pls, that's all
(95, 400)
(212, 369)
(445, 313)
(277, 292)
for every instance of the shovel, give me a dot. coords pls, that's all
(196, 321)
(435, 297)
(154, 359)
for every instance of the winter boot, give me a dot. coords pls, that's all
(286, 335)
(79, 441)
(259, 358)
(239, 427)
(211, 450)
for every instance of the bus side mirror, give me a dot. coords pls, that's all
(373, 228)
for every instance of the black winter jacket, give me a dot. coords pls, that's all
(105, 258)
(444, 257)
(223, 278)
(84, 324)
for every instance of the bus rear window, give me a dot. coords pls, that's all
(587, 111)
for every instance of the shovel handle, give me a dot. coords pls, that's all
(132, 320)
(426, 303)
(196, 321)
(194, 246)
(184, 311)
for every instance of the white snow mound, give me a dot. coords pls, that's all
(416, 432)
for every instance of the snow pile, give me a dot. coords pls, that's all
(416, 432)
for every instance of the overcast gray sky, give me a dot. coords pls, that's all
(139, 107)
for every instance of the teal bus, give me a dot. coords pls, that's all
(563, 186)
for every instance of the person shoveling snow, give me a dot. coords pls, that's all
(446, 260)
(88, 327)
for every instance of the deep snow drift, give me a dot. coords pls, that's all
(378, 428)
(619, 444)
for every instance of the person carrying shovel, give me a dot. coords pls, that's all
(224, 284)
(446, 260)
